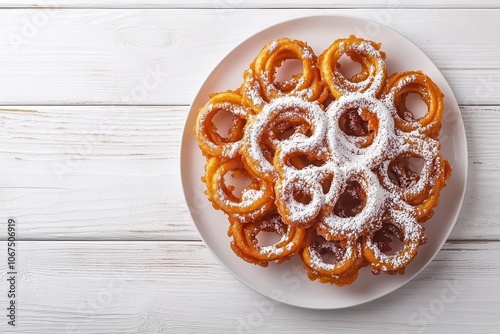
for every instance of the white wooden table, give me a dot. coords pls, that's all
(89, 168)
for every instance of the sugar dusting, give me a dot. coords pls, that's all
(341, 254)
(345, 159)
(273, 46)
(342, 158)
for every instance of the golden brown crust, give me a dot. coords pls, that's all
(326, 159)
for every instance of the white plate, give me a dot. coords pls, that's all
(287, 282)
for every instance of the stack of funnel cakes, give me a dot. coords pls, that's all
(326, 160)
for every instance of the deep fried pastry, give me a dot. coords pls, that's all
(327, 160)
(256, 199)
(210, 141)
(246, 245)
(398, 86)
(260, 85)
(342, 270)
(364, 52)
(412, 237)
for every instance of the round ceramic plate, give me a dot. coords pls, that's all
(288, 282)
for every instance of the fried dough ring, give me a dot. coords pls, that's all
(260, 86)
(333, 227)
(424, 211)
(372, 148)
(364, 52)
(427, 150)
(423, 193)
(399, 85)
(256, 200)
(344, 271)
(300, 112)
(245, 243)
(413, 237)
(326, 157)
(210, 142)
(300, 200)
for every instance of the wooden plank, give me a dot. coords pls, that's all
(171, 287)
(228, 4)
(81, 165)
(103, 56)
(82, 172)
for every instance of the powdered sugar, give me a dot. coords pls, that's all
(307, 54)
(342, 158)
(346, 161)
(309, 111)
(307, 188)
(249, 196)
(272, 46)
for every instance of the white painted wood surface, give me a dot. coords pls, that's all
(103, 56)
(90, 173)
(178, 287)
(237, 4)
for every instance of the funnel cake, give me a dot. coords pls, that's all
(326, 159)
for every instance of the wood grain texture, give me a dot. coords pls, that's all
(225, 4)
(104, 56)
(112, 173)
(178, 287)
